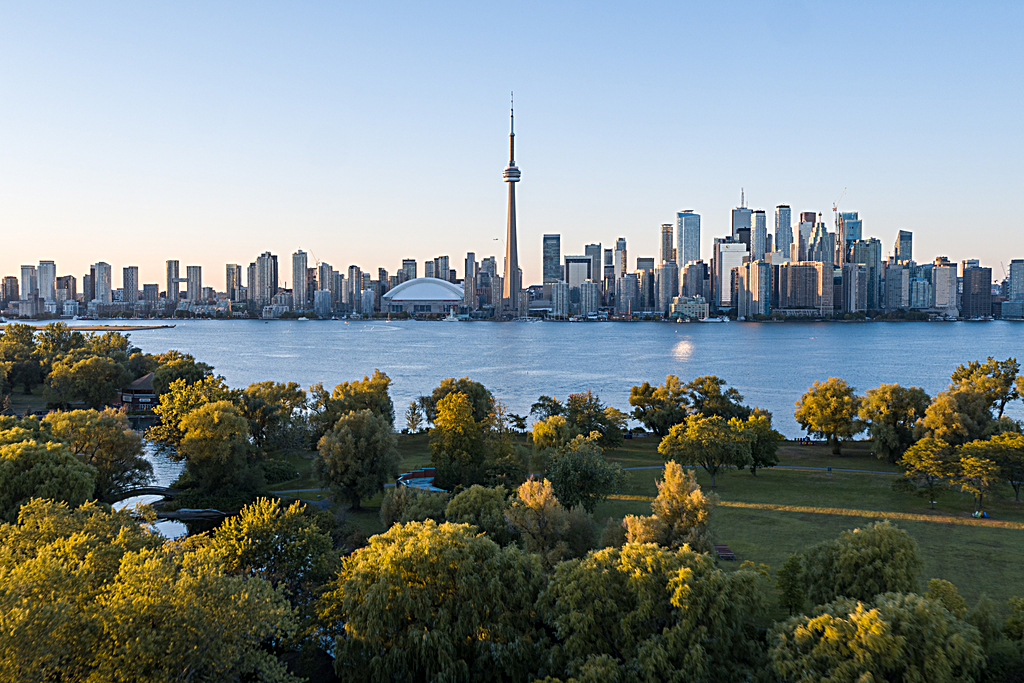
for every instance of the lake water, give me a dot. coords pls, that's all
(165, 471)
(771, 364)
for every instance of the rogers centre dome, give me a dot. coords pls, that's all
(423, 295)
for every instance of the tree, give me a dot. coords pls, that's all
(707, 398)
(659, 408)
(976, 474)
(996, 379)
(891, 411)
(1007, 452)
(357, 457)
(270, 407)
(708, 442)
(41, 470)
(456, 443)
(580, 475)
(181, 399)
(947, 595)
(546, 527)
(479, 396)
(680, 514)
(215, 446)
(431, 602)
(862, 563)
(586, 414)
(18, 347)
(413, 417)
(957, 416)
(546, 406)
(930, 462)
(551, 432)
(484, 508)
(403, 504)
(94, 380)
(174, 365)
(54, 341)
(892, 637)
(789, 581)
(105, 441)
(518, 422)
(654, 615)
(369, 393)
(828, 409)
(764, 441)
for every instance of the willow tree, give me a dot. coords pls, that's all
(829, 410)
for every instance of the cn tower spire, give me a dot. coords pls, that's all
(511, 284)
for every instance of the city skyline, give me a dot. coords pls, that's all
(217, 153)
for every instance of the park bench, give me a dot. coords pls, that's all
(724, 552)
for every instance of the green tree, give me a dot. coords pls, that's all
(546, 406)
(18, 347)
(708, 442)
(484, 508)
(958, 415)
(357, 457)
(862, 563)
(654, 615)
(764, 441)
(829, 410)
(429, 602)
(930, 463)
(181, 399)
(369, 393)
(976, 474)
(270, 407)
(41, 470)
(174, 365)
(1007, 452)
(105, 441)
(215, 447)
(680, 514)
(404, 504)
(94, 380)
(789, 581)
(892, 637)
(456, 443)
(994, 378)
(890, 412)
(551, 433)
(54, 341)
(947, 595)
(586, 414)
(547, 529)
(479, 397)
(659, 408)
(580, 475)
(413, 418)
(708, 399)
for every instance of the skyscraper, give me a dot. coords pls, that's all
(172, 283)
(47, 275)
(441, 268)
(194, 283)
(408, 269)
(552, 258)
(728, 254)
(904, 249)
(758, 235)
(266, 279)
(944, 285)
(1016, 292)
(469, 282)
(740, 217)
(300, 301)
(687, 237)
(783, 228)
(666, 243)
(594, 252)
(511, 281)
(130, 284)
(869, 252)
(620, 257)
(29, 282)
(232, 280)
(976, 300)
(101, 282)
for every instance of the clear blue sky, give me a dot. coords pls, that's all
(363, 133)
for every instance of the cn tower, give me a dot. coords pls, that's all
(511, 284)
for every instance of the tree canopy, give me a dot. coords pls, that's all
(31, 469)
(585, 414)
(708, 442)
(456, 442)
(662, 407)
(357, 457)
(580, 475)
(680, 516)
(891, 412)
(829, 410)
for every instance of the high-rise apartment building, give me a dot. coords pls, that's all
(1015, 281)
(855, 288)
(66, 288)
(300, 263)
(9, 289)
(552, 255)
(151, 293)
(666, 285)
(29, 282)
(727, 254)
(590, 298)
(354, 291)
(666, 244)
(408, 269)
(944, 286)
(783, 228)
(620, 257)
(130, 284)
(232, 280)
(903, 252)
(428, 269)
(869, 252)
(266, 279)
(560, 299)
(976, 300)
(754, 290)
(194, 283)
(805, 286)
(102, 283)
(441, 267)
(687, 237)
(469, 281)
(758, 235)
(172, 282)
(694, 280)
(47, 284)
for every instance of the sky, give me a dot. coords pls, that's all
(365, 133)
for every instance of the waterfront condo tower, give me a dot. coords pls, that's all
(511, 283)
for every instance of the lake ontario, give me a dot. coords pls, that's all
(771, 364)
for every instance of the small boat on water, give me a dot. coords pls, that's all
(450, 318)
(709, 319)
(302, 318)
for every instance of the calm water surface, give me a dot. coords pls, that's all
(771, 364)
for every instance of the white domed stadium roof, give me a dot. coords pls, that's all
(425, 289)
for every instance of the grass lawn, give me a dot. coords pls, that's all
(22, 402)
